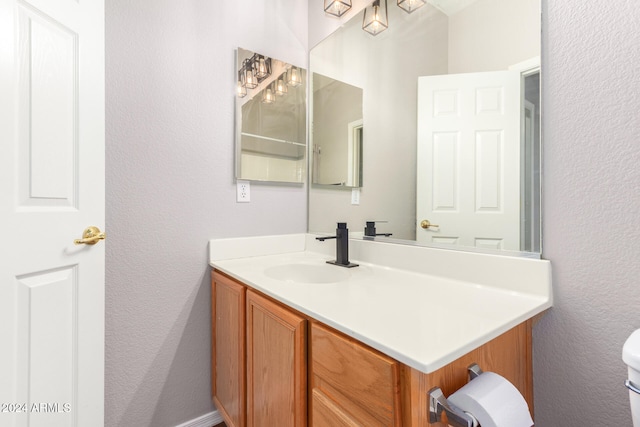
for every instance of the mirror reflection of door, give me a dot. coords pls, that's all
(469, 122)
(476, 140)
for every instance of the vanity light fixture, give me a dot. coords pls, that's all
(337, 7)
(293, 77)
(375, 18)
(253, 71)
(268, 94)
(410, 5)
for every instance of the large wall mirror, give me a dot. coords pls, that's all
(450, 128)
(271, 119)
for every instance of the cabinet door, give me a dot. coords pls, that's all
(327, 413)
(352, 384)
(276, 365)
(228, 349)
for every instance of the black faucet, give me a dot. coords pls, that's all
(342, 246)
(370, 230)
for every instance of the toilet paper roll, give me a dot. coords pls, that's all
(493, 401)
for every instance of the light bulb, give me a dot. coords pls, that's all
(268, 97)
(261, 69)
(294, 77)
(241, 91)
(281, 87)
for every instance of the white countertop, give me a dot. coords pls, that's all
(422, 320)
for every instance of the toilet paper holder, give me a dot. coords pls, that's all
(456, 417)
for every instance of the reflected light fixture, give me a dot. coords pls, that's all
(410, 5)
(294, 78)
(250, 79)
(375, 18)
(261, 68)
(241, 89)
(268, 95)
(337, 7)
(281, 86)
(254, 70)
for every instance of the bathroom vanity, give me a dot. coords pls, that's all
(299, 342)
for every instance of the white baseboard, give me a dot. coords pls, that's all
(207, 420)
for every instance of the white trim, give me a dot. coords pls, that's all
(353, 154)
(529, 66)
(207, 420)
(284, 141)
(527, 137)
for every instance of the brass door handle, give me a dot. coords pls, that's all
(90, 236)
(426, 224)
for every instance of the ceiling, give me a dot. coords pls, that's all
(450, 7)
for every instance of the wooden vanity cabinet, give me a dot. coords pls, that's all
(351, 384)
(259, 366)
(261, 354)
(228, 349)
(508, 355)
(276, 365)
(354, 385)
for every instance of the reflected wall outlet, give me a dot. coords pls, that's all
(243, 194)
(355, 196)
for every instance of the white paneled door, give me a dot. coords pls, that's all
(51, 189)
(468, 180)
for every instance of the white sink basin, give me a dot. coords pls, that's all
(308, 273)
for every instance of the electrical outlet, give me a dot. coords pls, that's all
(355, 196)
(243, 192)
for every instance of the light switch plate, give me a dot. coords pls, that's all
(243, 192)
(355, 196)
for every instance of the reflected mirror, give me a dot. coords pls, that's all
(451, 125)
(270, 119)
(336, 132)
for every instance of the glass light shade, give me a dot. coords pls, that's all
(261, 68)
(294, 78)
(281, 86)
(410, 5)
(241, 88)
(250, 79)
(375, 18)
(241, 91)
(268, 95)
(337, 7)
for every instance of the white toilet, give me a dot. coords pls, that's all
(631, 356)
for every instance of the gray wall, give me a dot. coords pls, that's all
(170, 188)
(591, 234)
(492, 35)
